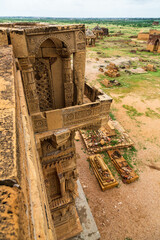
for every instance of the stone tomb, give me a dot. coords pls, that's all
(102, 172)
(90, 38)
(98, 32)
(154, 42)
(49, 85)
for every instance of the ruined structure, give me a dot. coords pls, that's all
(90, 38)
(98, 32)
(42, 74)
(105, 31)
(154, 41)
(155, 23)
(143, 36)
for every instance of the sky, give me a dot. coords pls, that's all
(81, 8)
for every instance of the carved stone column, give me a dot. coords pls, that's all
(61, 178)
(68, 82)
(78, 76)
(29, 86)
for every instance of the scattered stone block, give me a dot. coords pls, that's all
(150, 67)
(112, 70)
(101, 69)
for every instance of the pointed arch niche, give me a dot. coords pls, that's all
(52, 71)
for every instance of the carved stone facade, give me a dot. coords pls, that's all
(58, 161)
(51, 64)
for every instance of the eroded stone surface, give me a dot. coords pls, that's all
(7, 116)
(9, 212)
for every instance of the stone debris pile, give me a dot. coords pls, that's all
(150, 67)
(112, 70)
(110, 83)
(105, 138)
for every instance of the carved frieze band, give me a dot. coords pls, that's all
(73, 116)
(85, 114)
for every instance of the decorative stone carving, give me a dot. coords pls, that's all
(79, 70)
(80, 36)
(39, 123)
(68, 84)
(43, 85)
(29, 85)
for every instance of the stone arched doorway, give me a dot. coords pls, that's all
(49, 70)
(156, 45)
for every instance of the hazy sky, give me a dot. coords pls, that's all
(81, 8)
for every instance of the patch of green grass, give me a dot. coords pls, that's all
(112, 116)
(113, 142)
(129, 154)
(151, 113)
(109, 164)
(132, 112)
(117, 133)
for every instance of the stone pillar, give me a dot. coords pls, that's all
(29, 86)
(79, 76)
(68, 82)
(62, 183)
(61, 179)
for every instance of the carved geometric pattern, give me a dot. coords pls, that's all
(43, 86)
(80, 36)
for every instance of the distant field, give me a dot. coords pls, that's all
(132, 22)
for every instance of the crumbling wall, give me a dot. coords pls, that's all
(3, 38)
(91, 92)
(143, 36)
(153, 38)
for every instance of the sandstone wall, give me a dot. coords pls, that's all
(3, 38)
(154, 31)
(24, 210)
(143, 36)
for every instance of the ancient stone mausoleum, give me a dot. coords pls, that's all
(105, 31)
(156, 23)
(90, 38)
(43, 100)
(154, 41)
(98, 32)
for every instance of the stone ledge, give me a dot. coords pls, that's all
(90, 230)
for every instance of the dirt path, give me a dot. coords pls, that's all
(130, 211)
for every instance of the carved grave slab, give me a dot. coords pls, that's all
(127, 173)
(102, 172)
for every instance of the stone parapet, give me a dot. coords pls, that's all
(74, 117)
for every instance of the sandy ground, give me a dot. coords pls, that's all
(129, 211)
